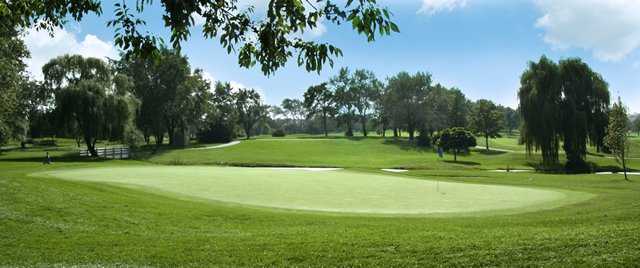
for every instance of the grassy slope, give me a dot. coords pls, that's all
(49, 221)
(358, 153)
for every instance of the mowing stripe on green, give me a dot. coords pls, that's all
(328, 191)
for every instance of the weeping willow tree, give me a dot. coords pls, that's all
(89, 102)
(585, 104)
(599, 110)
(565, 102)
(540, 97)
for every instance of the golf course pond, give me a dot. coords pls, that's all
(325, 190)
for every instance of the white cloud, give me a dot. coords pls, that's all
(198, 20)
(434, 6)
(235, 85)
(610, 29)
(207, 76)
(43, 48)
(318, 31)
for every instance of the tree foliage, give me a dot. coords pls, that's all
(345, 99)
(220, 116)
(617, 131)
(511, 119)
(455, 140)
(486, 120)
(635, 125)
(269, 41)
(12, 79)
(408, 92)
(319, 100)
(249, 108)
(95, 112)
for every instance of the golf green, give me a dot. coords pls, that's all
(326, 191)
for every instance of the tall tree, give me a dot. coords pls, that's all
(66, 72)
(459, 109)
(295, 110)
(511, 119)
(576, 83)
(635, 124)
(383, 108)
(95, 112)
(540, 107)
(407, 92)
(269, 41)
(12, 78)
(599, 106)
(159, 84)
(249, 108)
(437, 107)
(364, 87)
(617, 131)
(220, 115)
(319, 100)
(345, 99)
(566, 101)
(486, 119)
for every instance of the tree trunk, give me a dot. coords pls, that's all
(363, 119)
(324, 124)
(486, 140)
(411, 131)
(395, 132)
(159, 140)
(624, 168)
(247, 131)
(384, 130)
(455, 155)
(91, 146)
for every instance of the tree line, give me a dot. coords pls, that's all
(404, 103)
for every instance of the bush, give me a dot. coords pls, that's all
(278, 133)
(217, 133)
(132, 137)
(423, 140)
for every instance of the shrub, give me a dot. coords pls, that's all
(423, 140)
(456, 140)
(278, 133)
(132, 137)
(217, 132)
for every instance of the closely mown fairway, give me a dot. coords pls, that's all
(328, 191)
(47, 221)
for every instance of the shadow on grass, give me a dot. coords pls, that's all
(488, 152)
(406, 145)
(461, 162)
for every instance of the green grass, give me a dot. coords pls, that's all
(327, 191)
(46, 221)
(360, 153)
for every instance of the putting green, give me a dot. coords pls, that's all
(328, 191)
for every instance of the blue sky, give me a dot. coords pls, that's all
(479, 46)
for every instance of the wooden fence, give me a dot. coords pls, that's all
(110, 153)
